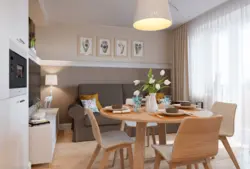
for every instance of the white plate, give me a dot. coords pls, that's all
(193, 106)
(109, 108)
(180, 113)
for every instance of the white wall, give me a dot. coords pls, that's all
(59, 42)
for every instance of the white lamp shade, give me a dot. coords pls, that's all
(152, 15)
(51, 80)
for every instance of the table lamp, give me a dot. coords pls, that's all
(50, 80)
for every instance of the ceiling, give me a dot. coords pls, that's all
(118, 12)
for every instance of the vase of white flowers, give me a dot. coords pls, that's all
(152, 86)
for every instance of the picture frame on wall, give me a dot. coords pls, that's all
(138, 48)
(104, 47)
(121, 48)
(85, 46)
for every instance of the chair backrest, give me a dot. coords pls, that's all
(196, 139)
(95, 126)
(228, 111)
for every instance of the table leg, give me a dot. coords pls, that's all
(162, 133)
(139, 145)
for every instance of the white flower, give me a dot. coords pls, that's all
(167, 82)
(158, 86)
(162, 73)
(136, 82)
(151, 81)
(137, 93)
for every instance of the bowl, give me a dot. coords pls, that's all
(117, 106)
(172, 110)
(185, 104)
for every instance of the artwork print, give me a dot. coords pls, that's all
(104, 47)
(138, 48)
(86, 46)
(121, 47)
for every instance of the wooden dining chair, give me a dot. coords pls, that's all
(110, 142)
(196, 141)
(228, 111)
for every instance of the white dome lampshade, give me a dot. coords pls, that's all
(152, 15)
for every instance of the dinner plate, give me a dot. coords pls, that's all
(180, 113)
(109, 108)
(192, 106)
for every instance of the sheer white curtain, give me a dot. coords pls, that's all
(219, 61)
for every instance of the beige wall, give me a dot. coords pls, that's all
(69, 77)
(59, 42)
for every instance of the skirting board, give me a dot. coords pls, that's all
(65, 126)
(105, 64)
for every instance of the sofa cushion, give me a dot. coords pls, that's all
(101, 120)
(108, 93)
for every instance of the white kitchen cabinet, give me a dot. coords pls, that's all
(14, 133)
(14, 25)
(42, 138)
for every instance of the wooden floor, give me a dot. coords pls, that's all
(70, 155)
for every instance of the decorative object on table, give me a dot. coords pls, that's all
(165, 101)
(186, 103)
(117, 106)
(85, 46)
(90, 104)
(192, 106)
(121, 47)
(152, 15)
(138, 48)
(172, 109)
(152, 86)
(104, 47)
(137, 103)
(50, 80)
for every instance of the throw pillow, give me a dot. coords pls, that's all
(160, 96)
(90, 97)
(90, 104)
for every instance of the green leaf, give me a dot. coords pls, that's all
(145, 87)
(150, 73)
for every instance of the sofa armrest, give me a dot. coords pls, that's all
(76, 111)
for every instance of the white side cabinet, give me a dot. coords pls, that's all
(42, 139)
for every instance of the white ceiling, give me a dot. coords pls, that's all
(118, 12)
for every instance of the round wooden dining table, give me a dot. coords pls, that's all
(142, 118)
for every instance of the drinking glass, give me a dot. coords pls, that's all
(137, 103)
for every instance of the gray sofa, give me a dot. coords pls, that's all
(108, 94)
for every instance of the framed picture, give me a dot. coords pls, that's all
(138, 48)
(104, 47)
(85, 46)
(121, 47)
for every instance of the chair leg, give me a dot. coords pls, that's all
(189, 166)
(153, 135)
(121, 158)
(114, 159)
(104, 161)
(230, 151)
(196, 166)
(207, 164)
(130, 155)
(129, 132)
(157, 161)
(93, 157)
(148, 136)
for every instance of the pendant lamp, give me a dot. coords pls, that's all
(152, 15)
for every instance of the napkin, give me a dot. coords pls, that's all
(121, 111)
